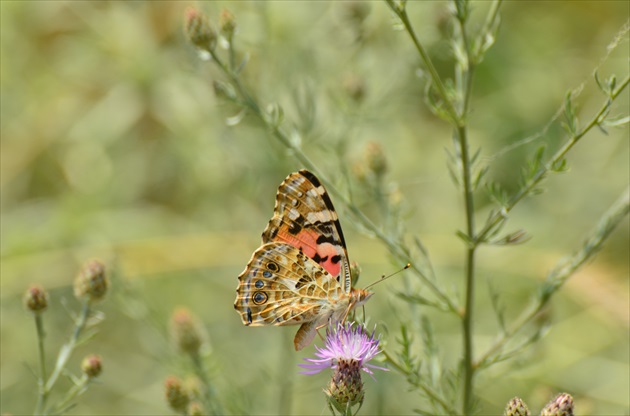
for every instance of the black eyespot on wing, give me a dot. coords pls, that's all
(259, 298)
(335, 259)
(272, 266)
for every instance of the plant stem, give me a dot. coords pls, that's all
(432, 394)
(401, 12)
(467, 313)
(542, 172)
(209, 394)
(68, 348)
(464, 70)
(563, 270)
(42, 393)
(75, 391)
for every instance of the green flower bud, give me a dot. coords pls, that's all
(92, 366)
(561, 405)
(91, 282)
(186, 331)
(36, 299)
(227, 24)
(355, 272)
(346, 388)
(375, 158)
(516, 407)
(176, 396)
(195, 409)
(198, 30)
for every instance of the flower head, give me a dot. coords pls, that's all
(347, 350)
(91, 282)
(92, 366)
(561, 405)
(36, 299)
(186, 331)
(347, 343)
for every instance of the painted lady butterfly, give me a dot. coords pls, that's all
(301, 273)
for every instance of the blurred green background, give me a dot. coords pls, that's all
(114, 146)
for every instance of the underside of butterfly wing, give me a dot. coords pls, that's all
(282, 286)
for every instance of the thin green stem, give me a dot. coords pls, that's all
(209, 395)
(68, 348)
(401, 12)
(42, 393)
(565, 268)
(467, 313)
(542, 172)
(490, 21)
(432, 394)
(75, 391)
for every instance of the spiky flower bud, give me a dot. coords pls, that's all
(354, 87)
(375, 158)
(356, 11)
(346, 388)
(198, 30)
(561, 405)
(195, 409)
(355, 272)
(516, 407)
(227, 24)
(92, 366)
(36, 299)
(91, 282)
(186, 331)
(176, 396)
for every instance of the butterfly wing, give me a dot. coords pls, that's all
(304, 217)
(282, 286)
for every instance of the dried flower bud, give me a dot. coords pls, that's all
(186, 331)
(356, 11)
(91, 282)
(195, 409)
(198, 30)
(516, 407)
(561, 405)
(359, 171)
(176, 396)
(92, 366)
(227, 24)
(36, 299)
(375, 158)
(354, 87)
(194, 387)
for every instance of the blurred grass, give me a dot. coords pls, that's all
(114, 146)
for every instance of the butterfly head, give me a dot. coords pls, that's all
(359, 297)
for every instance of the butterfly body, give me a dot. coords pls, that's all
(301, 273)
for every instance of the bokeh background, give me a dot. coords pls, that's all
(114, 146)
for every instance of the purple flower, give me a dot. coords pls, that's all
(347, 351)
(345, 342)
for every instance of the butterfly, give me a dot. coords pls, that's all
(301, 273)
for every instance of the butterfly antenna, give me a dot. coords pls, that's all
(383, 277)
